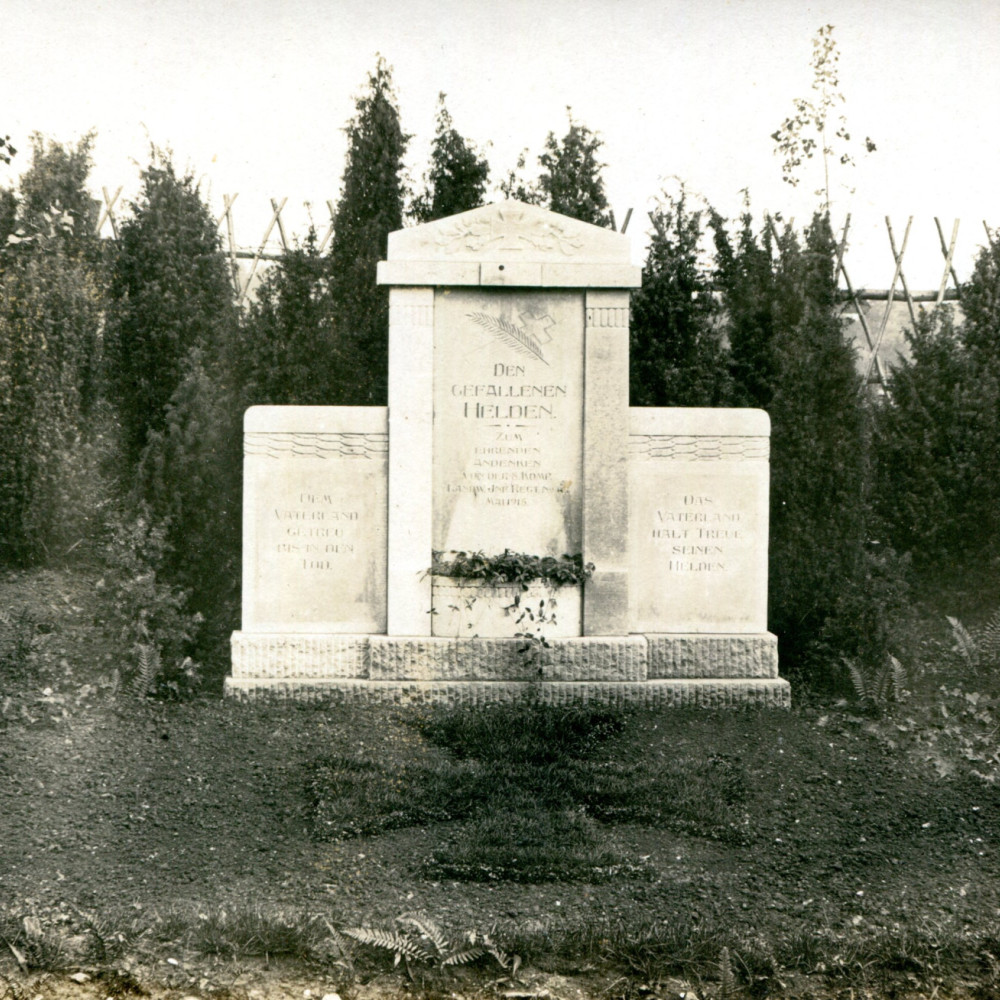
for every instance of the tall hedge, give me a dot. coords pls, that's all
(170, 293)
(677, 357)
(50, 321)
(938, 432)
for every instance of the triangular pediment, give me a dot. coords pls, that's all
(512, 231)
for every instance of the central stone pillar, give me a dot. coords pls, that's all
(508, 402)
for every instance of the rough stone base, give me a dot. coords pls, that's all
(280, 655)
(646, 669)
(592, 658)
(671, 693)
(699, 655)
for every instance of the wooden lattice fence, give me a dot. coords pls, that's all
(858, 301)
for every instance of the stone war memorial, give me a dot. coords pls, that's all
(374, 537)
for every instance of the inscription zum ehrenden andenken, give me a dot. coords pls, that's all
(507, 468)
(317, 531)
(698, 539)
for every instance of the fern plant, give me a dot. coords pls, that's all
(415, 937)
(19, 635)
(978, 648)
(965, 645)
(727, 981)
(147, 668)
(878, 688)
(989, 640)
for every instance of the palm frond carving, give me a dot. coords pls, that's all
(510, 334)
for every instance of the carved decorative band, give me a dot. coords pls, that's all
(507, 229)
(346, 444)
(404, 314)
(605, 316)
(700, 449)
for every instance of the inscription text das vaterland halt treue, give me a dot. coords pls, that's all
(508, 441)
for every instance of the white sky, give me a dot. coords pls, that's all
(252, 97)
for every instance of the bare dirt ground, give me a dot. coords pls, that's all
(118, 810)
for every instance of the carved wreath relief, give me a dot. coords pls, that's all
(507, 230)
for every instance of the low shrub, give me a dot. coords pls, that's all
(147, 617)
(513, 567)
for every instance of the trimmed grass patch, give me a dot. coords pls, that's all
(524, 732)
(536, 789)
(355, 796)
(528, 842)
(704, 797)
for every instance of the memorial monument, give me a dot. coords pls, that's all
(508, 431)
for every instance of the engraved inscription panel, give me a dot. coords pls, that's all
(698, 534)
(508, 421)
(314, 521)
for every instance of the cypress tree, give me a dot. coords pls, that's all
(938, 432)
(288, 352)
(824, 597)
(571, 182)
(170, 294)
(746, 283)
(50, 321)
(676, 355)
(456, 180)
(370, 207)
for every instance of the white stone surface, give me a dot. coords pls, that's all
(411, 366)
(509, 244)
(510, 232)
(508, 421)
(605, 472)
(314, 519)
(698, 520)
(465, 609)
(285, 655)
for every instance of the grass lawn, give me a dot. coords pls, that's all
(809, 852)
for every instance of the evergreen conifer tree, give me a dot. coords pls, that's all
(746, 284)
(287, 352)
(50, 320)
(676, 354)
(170, 294)
(370, 207)
(571, 182)
(57, 181)
(938, 432)
(820, 576)
(456, 180)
